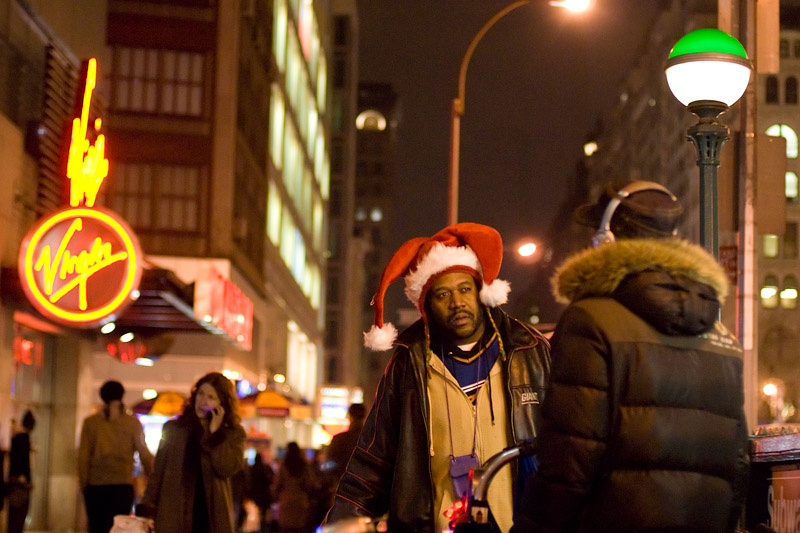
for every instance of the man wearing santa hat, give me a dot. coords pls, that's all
(465, 381)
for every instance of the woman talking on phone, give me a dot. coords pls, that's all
(190, 489)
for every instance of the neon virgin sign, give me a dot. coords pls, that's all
(82, 264)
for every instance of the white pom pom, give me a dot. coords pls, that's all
(495, 293)
(380, 339)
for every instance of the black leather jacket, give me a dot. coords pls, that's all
(390, 468)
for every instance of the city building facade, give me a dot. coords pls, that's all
(215, 124)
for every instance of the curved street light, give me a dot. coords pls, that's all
(708, 71)
(458, 102)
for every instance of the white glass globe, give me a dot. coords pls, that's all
(708, 79)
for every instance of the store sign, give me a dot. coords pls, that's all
(783, 501)
(81, 265)
(220, 301)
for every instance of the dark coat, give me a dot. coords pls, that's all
(389, 471)
(644, 428)
(169, 496)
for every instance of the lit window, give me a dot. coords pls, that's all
(376, 215)
(770, 245)
(361, 214)
(791, 186)
(164, 197)
(769, 293)
(371, 120)
(789, 293)
(785, 131)
(165, 82)
(274, 214)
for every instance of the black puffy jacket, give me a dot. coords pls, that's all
(389, 471)
(644, 427)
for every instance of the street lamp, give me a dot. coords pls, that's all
(708, 71)
(458, 102)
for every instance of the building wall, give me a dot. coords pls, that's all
(779, 317)
(62, 390)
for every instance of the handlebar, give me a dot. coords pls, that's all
(477, 505)
(361, 524)
(483, 476)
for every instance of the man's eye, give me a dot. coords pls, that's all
(466, 289)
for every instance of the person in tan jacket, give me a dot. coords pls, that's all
(109, 439)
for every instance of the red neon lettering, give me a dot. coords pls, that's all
(87, 165)
(85, 264)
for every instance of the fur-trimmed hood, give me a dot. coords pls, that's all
(599, 271)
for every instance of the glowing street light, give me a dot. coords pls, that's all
(527, 249)
(459, 104)
(575, 6)
(708, 71)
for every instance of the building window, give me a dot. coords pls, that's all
(791, 186)
(371, 120)
(788, 133)
(771, 90)
(160, 197)
(790, 241)
(789, 293)
(769, 293)
(784, 48)
(163, 82)
(770, 246)
(791, 90)
(796, 45)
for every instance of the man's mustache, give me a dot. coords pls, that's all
(458, 315)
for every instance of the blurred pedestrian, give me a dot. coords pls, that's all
(19, 474)
(342, 444)
(293, 487)
(109, 440)
(644, 427)
(260, 487)
(189, 490)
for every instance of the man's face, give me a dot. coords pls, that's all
(454, 307)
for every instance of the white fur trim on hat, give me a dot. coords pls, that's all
(438, 259)
(495, 293)
(380, 339)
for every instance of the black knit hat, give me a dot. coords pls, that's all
(111, 390)
(649, 213)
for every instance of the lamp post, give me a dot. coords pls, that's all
(708, 71)
(458, 102)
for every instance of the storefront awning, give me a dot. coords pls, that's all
(164, 304)
(270, 403)
(167, 403)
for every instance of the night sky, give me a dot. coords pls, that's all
(536, 85)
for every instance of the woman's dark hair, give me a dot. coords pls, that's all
(111, 390)
(295, 460)
(28, 421)
(227, 398)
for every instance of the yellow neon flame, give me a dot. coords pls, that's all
(85, 265)
(87, 165)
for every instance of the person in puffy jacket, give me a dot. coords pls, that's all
(644, 427)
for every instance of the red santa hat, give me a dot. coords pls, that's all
(466, 247)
